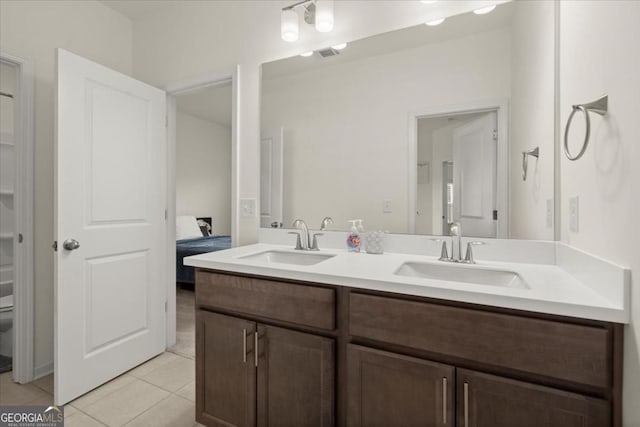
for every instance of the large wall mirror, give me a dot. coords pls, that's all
(418, 128)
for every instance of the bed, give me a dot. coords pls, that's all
(193, 240)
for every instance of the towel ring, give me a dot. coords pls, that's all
(598, 106)
(525, 156)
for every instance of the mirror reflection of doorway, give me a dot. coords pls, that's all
(461, 185)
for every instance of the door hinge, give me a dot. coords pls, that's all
(495, 135)
(166, 121)
(20, 238)
(495, 215)
(55, 245)
(166, 214)
(166, 307)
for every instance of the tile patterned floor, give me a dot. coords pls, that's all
(158, 393)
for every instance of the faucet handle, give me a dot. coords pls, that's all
(298, 241)
(469, 256)
(314, 245)
(444, 256)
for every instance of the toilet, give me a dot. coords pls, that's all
(6, 313)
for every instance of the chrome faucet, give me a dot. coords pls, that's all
(455, 231)
(304, 233)
(326, 222)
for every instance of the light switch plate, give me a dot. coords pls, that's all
(387, 206)
(549, 213)
(574, 214)
(247, 208)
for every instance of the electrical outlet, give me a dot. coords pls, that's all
(387, 206)
(549, 213)
(247, 208)
(574, 214)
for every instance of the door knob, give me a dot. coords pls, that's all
(71, 244)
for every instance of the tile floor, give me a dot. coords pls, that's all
(160, 392)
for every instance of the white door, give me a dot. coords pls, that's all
(111, 199)
(271, 178)
(474, 176)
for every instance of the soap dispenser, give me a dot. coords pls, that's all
(353, 240)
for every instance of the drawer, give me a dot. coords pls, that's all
(550, 348)
(302, 304)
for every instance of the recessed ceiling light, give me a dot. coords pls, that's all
(305, 54)
(428, 1)
(484, 10)
(339, 46)
(435, 22)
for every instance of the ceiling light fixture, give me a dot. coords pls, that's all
(428, 1)
(339, 46)
(435, 22)
(305, 54)
(484, 10)
(316, 12)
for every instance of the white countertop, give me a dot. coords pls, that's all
(552, 289)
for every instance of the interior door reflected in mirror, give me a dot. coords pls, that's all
(419, 128)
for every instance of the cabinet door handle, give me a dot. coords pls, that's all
(466, 404)
(244, 345)
(255, 347)
(444, 400)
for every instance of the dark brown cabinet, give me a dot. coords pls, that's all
(225, 370)
(387, 389)
(485, 400)
(288, 382)
(276, 352)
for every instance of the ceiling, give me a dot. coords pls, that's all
(134, 9)
(394, 41)
(212, 104)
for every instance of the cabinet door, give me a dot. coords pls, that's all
(225, 371)
(295, 378)
(387, 389)
(485, 400)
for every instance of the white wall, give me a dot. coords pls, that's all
(32, 30)
(424, 205)
(532, 119)
(599, 55)
(346, 129)
(203, 170)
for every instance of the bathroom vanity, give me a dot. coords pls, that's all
(353, 351)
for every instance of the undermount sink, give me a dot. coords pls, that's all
(462, 273)
(295, 258)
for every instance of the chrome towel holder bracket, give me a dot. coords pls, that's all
(599, 106)
(525, 156)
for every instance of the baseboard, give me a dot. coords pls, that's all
(43, 370)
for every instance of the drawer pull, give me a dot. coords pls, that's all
(444, 400)
(244, 345)
(466, 404)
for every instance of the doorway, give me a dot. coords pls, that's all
(203, 193)
(458, 169)
(210, 93)
(16, 218)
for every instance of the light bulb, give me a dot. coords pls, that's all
(339, 46)
(484, 10)
(435, 22)
(289, 26)
(305, 54)
(324, 15)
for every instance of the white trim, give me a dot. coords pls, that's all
(23, 290)
(43, 370)
(500, 106)
(173, 89)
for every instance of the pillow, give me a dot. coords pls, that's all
(187, 227)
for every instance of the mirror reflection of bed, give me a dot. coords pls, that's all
(203, 193)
